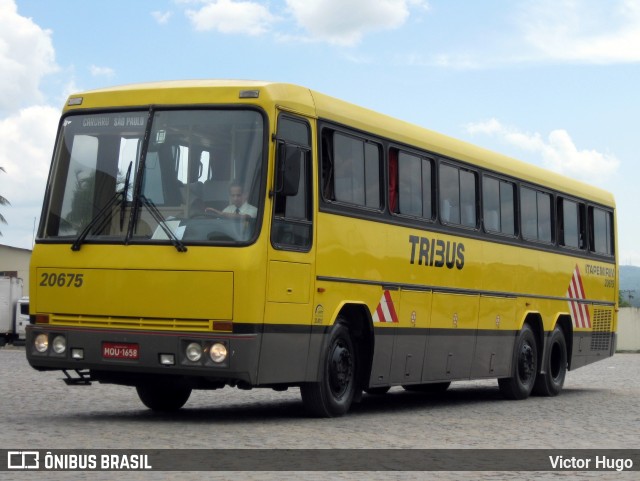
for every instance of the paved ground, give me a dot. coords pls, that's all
(599, 408)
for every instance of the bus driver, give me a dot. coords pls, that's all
(238, 206)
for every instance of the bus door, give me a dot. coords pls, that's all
(288, 311)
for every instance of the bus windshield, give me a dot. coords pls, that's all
(164, 176)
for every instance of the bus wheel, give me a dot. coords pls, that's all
(523, 367)
(163, 398)
(333, 393)
(430, 388)
(550, 383)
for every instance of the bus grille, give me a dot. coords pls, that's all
(601, 333)
(132, 323)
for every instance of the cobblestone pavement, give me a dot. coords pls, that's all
(599, 408)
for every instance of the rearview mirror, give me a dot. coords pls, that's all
(288, 169)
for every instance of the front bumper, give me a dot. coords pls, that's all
(153, 350)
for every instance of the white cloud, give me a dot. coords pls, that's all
(232, 17)
(335, 22)
(587, 31)
(558, 151)
(161, 17)
(546, 31)
(101, 71)
(25, 152)
(28, 127)
(26, 55)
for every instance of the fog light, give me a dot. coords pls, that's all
(194, 352)
(218, 352)
(77, 353)
(59, 344)
(167, 359)
(41, 342)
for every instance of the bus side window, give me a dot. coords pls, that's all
(415, 190)
(327, 166)
(458, 199)
(355, 171)
(536, 215)
(393, 180)
(600, 231)
(498, 202)
(571, 224)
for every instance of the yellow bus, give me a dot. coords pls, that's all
(203, 234)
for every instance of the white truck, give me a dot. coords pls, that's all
(14, 310)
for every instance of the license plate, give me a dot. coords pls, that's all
(119, 350)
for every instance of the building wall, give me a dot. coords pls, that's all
(629, 329)
(16, 259)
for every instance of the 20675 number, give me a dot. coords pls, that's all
(70, 279)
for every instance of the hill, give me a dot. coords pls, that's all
(630, 284)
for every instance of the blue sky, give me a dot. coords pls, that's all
(551, 82)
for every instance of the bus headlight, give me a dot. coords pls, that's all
(194, 352)
(41, 342)
(59, 344)
(218, 352)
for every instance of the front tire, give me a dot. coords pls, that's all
(333, 394)
(163, 398)
(524, 366)
(555, 367)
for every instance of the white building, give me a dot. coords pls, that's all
(14, 262)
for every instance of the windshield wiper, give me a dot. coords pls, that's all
(125, 191)
(155, 213)
(99, 217)
(106, 209)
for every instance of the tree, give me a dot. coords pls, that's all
(3, 201)
(624, 302)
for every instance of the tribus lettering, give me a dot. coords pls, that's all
(436, 252)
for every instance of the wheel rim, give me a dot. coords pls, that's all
(526, 363)
(340, 369)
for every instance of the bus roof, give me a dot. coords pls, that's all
(315, 104)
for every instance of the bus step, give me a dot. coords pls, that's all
(83, 378)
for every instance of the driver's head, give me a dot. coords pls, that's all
(236, 194)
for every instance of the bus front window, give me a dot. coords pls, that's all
(199, 175)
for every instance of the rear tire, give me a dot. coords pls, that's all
(555, 367)
(333, 394)
(524, 366)
(163, 398)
